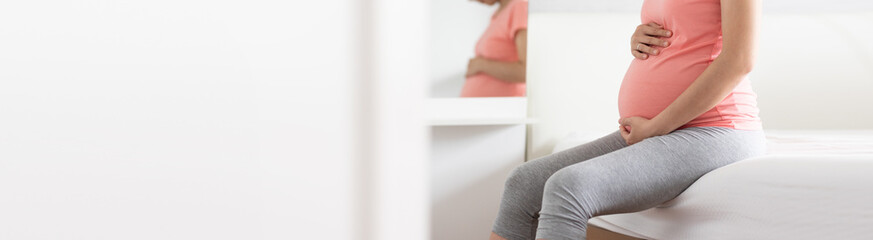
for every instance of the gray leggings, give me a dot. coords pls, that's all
(554, 196)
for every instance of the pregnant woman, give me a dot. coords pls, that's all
(686, 108)
(498, 70)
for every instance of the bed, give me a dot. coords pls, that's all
(810, 185)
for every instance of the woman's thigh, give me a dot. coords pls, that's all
(652, 171)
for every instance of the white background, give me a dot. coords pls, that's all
(192, 119)
(171, 119)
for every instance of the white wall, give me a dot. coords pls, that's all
(574, 76)
(577, 6)
(455, 27)
(191, 119)
(173, 119)
(827, 86)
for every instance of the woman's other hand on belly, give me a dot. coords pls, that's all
(648, 40)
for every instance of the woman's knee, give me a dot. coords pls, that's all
(572, 179)
(521, 177)
(572, 188)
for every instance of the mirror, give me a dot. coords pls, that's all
(477, 48)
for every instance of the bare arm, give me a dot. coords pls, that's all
(506, 71)
(739, 29)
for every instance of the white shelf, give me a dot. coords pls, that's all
(477, 111)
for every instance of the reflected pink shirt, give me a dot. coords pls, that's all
(650, 85)
(498, 43)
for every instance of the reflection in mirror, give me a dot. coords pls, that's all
(496, 31)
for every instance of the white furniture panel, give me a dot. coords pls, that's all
(475, 144)
(469, 165)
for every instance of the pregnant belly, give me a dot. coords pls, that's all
(483, 85)
(649, 86)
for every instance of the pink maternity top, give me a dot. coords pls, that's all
(650, 85)
(498, 43)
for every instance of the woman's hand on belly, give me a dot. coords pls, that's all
(636, 129)
(474, 66)
(647, 40)
(507, 71)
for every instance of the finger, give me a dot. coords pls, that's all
(639, 55)
(653, 41)
(653, 24)
(642, 47)
(624, 134)
(631, 139)
(655, 31)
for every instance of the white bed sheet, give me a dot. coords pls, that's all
(810, 185)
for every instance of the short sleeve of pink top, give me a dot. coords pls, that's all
(650, 85)
(498, 43)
